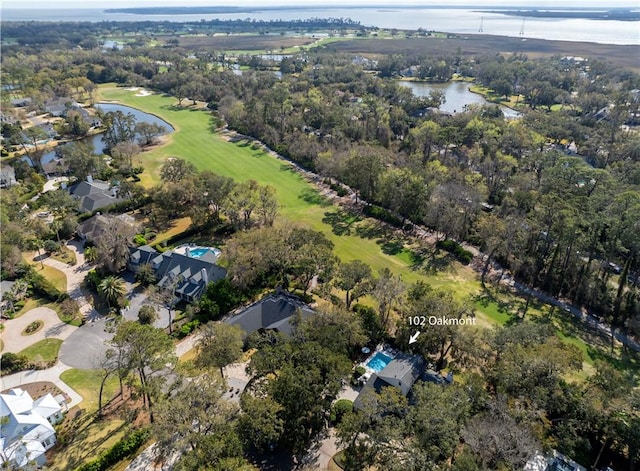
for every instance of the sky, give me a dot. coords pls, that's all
(84, 4)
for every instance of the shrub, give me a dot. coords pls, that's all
(51, 246)
(382, 214)
(187, 328)
(147, 314)
(69, 308)
(454, 248)
(12, 363)
(140, 240)
(127, 446)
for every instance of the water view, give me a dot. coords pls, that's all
(452, 20)
(96, 140)
(457, 96)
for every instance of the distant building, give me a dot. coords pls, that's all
(94, 194)
(273, 312)
(58, 106)
(7, 176)
(27, 428)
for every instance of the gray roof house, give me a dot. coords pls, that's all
(273, 312)
(193, 273)
(94, 194)
(401, 372)
(58, 106)
(7, 176)
(92, 228)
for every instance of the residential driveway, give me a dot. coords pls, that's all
(53, 328)
(51, 375)
(75, 277)
(237, 380)
(86, 347)
(53, 183)
(137, 298)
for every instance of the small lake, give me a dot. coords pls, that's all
(456, 94)
(96, 140)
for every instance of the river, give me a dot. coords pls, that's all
(456, 94)
(96, 140)
(452, 20)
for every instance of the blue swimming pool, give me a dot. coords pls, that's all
(378, 361)
(199, 252)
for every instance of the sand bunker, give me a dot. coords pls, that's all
(143, 93)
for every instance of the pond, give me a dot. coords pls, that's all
(456, 94)
(96, 140)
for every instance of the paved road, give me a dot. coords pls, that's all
(53, 328)
(85, 348)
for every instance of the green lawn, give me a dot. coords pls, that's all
(55, 276)
(44, 350)
(87, 384)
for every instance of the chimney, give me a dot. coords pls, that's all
(89, 179)
(205, 276)
(187, 252)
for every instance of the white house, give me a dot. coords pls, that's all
(26, 428)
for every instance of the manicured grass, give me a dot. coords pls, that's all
(65, 256)
(55, 276)
(44, 350)
(87, 384)
(87, 442)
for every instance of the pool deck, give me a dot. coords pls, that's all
(385, 350)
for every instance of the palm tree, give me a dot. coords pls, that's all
(111, 288)
(90, 254)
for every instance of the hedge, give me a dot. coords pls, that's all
(127, 446)
(451, 246)
(382, 214)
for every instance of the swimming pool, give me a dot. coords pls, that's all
(378, 362)
(197, 251)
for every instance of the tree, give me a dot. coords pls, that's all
(112, 289)
(362, 171)
(337, 329)
(219, 345)
(147, 351)
(119, 127)
(81, 159)
(200, 426)
(354, 278)
(260, 424)
(113, 246)
(123, 154)
(387, 291)
(176, 169)
(165, 295)
(498, 440)
(91, 254)
(145, 275)
(148, 132)
(147, 314)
